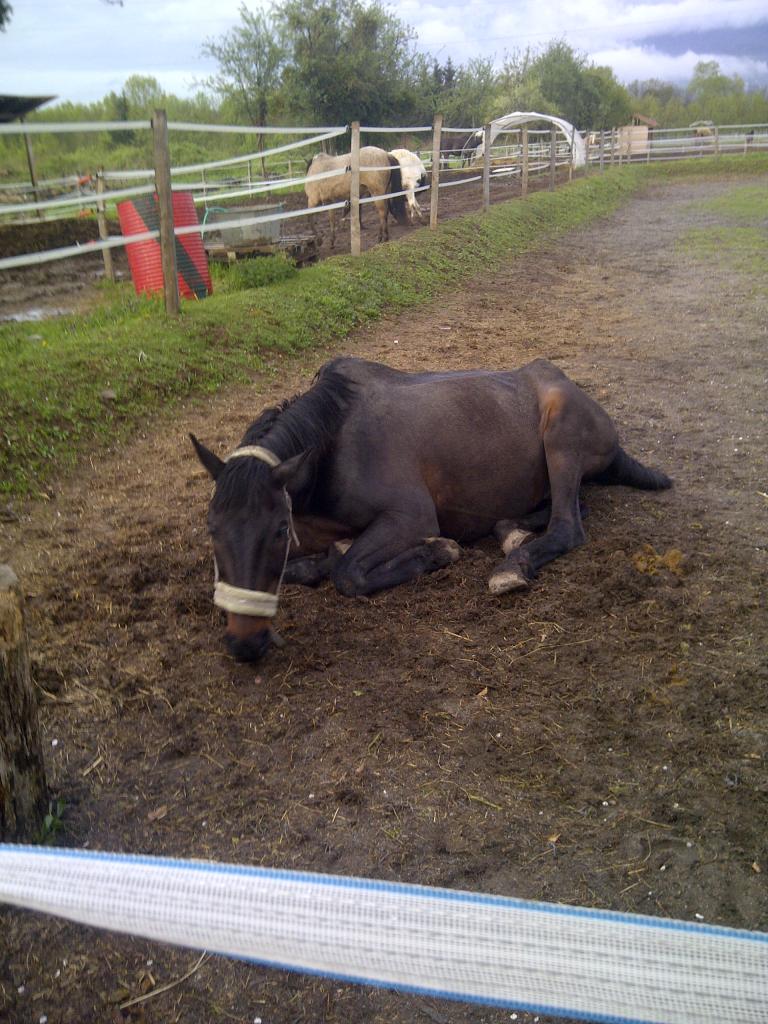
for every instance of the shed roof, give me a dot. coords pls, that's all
(14, 107)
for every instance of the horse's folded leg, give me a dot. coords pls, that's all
(432, 554)
(512, 574)
(310, 570)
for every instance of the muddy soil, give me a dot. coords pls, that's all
(600, 740)
(71, 285)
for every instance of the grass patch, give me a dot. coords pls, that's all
(749, 203)
(76, 385)
(740, 241)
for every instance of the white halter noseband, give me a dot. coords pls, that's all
(240, 600)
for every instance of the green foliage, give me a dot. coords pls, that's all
(5, 14)
(741, 242)
(53, 822)
(251, 59)
(346, 60)
(709, 96)
(252, 273)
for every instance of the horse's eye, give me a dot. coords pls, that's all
(282, 530)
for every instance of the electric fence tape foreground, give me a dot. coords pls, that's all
(545, 958)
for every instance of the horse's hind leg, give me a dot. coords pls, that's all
(512, 533)
(563, 421)
(381, 209)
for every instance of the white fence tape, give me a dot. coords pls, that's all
(396, 131)
(232, 161)
(80, 199)
(190, 168)
(460, 181)
(188, 126)
(40, 128)
(541, 957)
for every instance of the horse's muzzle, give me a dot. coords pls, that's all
(250, 648)
(248, 638)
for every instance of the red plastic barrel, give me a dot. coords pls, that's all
(144, 259)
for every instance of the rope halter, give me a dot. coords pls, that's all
(240, 600)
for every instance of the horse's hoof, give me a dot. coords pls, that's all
(447, 549)
(507, 579)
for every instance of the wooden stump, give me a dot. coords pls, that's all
(23, 788)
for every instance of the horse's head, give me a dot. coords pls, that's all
(249, 520)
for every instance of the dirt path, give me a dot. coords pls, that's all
(600, 740)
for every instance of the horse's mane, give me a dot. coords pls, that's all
(309, 420)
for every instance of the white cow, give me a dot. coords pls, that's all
(414, 175)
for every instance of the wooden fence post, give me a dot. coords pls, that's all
(435, 179)
(354, 191)
(23, 789)
(165, 203)
(524, 175)
(101, 217)
(32, 172)
(486, 167)
(552, 158)
(602, 150)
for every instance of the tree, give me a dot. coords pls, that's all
(251, 59)
(5, 14)
(585, 95)
(560, 81)
(118, 109)
(468, 102)
(347, 60)
(143, 95)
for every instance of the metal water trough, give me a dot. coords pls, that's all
(240, 242)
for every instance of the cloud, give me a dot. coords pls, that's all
(98, 46)
(638, 62)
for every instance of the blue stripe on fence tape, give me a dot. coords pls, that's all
(436, 993)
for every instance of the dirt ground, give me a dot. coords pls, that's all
(599, 740)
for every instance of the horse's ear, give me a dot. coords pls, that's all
(212, 462)
(294, 473)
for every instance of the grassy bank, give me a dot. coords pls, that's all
(74, 386)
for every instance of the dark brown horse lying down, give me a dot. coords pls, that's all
(373, 475)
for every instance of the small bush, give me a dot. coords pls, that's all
(253, 273)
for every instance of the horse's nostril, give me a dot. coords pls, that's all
(250, 648)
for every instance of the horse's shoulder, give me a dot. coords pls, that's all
(357, 370)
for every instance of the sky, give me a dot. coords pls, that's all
(82, 51)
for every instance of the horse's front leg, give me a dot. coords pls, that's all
(393, 550)
(311, 570)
